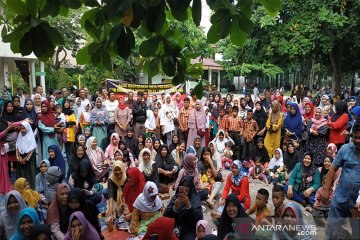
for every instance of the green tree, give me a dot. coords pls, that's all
(110, 25)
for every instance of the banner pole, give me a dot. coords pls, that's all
(79, 80)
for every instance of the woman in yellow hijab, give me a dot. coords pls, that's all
(116, 206)
(30, 196)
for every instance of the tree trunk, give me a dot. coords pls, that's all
(336, 57)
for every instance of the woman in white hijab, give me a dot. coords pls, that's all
(25, 154)
(150, 124)
(9, 218)
(147, 208)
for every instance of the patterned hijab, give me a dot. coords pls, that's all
(237, 179)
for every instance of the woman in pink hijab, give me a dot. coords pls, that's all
(114, 142)
(177, 100)
(197, 122)
(202, 229)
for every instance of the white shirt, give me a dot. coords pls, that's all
(256, 92)
(110, 107)
(167, 119)
(84, 103)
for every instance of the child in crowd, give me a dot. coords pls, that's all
(208, 181)
(223, 120)
(85, 118)
(321, 209)
(259, 172)
(236, 127)
(202, 229)
(150, 123)
(260, 208)
(245, 168)
(60, 124)
(81, 140)
(40, 181)
(87, 133)
(278, 198)
(275, 169)
(220, 141)
(228, 154)
(250, 130)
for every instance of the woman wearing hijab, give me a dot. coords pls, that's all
(189, 169)
(293, 124)
(25, 154)
(174, 142)
(273, 126)
(84, 178)
(260, 116)
(84, 118)
(146, 209)
(197, 122)
(276, 167)
(122, 118)
(78, 202)
(215, 155)
(261, 152)
(80, 154)
(133, 187)
(37, 102)
(325, 104)
(325, 169)
(69, 129)
(30, 113)
(80, 228)
(338, 123)
(292, 156)
(238, 184)
(304, 181)
(58, 213)
(163, 233)
(177, 100)
(42, 232)
(166, 164)
(100, 164)
(149, 145)
(116, 184)
(249, 101)
(99, 120)
(52, 177)
(30, 196)
(5, 185)
(234, 210)
(14, 204)
(114, 143)
(185, 207)
(29, 217)
(309, 111)
(40, 181)
(293, 218)
(18, 109)
(202, 229)
(150, 123)
(46, 125)
(57, 159)
(316, 143)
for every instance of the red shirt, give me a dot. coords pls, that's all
(242, 190)
(337, 128)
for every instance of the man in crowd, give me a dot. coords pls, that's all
(139, 114)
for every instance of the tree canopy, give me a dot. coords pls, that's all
(110, 25)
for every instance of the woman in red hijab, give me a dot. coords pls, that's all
(47, 125)
(308, 111)
(134, 186)
(163, 233)
(281, 100)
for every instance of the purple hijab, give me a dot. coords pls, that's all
(89, 230)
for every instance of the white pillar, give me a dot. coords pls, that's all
(6, 73)
(32, 80)
(42, 77)
(218, 81)
(209, 77)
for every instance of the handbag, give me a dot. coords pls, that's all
(200, 132)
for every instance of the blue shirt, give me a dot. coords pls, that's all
(349, 183)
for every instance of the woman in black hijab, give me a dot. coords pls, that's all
(84, 178)
(260, 152)
(78, 202)
(291, 157)
(19, 111)
(30, 113)
(338, 123)
(80, 154)
(185, 207)
(233, 210)
(260, 116)
(166, 164)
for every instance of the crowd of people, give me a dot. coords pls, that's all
(65, 154)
